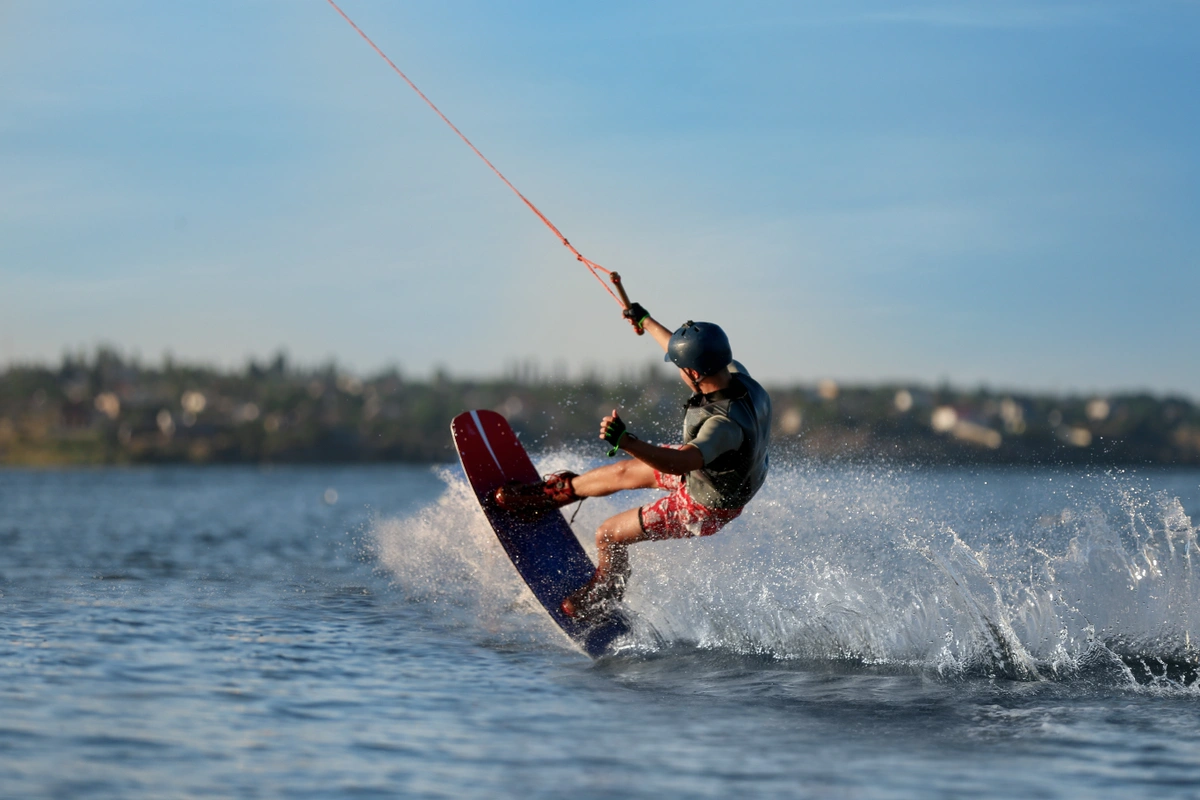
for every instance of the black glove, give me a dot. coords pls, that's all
(614, 432)
(636, 315)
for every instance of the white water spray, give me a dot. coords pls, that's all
(1026, 576)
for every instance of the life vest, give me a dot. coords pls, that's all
(735, 476)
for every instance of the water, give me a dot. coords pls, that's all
(862, 633)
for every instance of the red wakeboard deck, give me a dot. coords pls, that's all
(543, 548)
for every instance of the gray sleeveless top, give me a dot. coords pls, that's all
(732, 430)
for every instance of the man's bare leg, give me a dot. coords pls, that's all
(563, 488)
(613, 538)
(612, 478)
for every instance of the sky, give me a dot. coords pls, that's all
(975, 193)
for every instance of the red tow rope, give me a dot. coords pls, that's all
(592, 266)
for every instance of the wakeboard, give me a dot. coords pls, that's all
(541, 546)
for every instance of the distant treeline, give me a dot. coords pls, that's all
(106, 409)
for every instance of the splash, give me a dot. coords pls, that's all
(1014, 574)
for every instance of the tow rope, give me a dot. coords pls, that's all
(596, 270)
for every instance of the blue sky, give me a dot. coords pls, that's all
(972, 192)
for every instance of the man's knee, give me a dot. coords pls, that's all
(621, 529)
(626, 470)
(606, 534)
(636, 475)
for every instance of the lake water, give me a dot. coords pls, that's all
(357, 632)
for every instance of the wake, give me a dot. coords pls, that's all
(1025, 576)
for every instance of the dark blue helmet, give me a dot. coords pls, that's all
(701, 346)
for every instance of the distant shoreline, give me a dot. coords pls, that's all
(104, 410)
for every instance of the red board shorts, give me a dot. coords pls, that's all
(678, 516)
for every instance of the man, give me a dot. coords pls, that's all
(721, 464)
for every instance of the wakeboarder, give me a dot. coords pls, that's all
(709, 478)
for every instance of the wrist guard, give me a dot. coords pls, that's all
(636, 314)
(614, 432)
